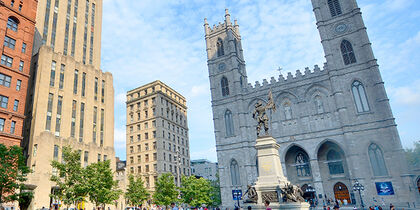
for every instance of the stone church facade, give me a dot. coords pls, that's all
(334, 124)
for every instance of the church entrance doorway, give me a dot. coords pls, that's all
(341, 193)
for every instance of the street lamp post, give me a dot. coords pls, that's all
(359, 187)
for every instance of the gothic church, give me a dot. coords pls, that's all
(334, 124)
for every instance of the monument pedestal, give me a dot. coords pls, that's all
(271, 179)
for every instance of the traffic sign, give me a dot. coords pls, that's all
(236, 195)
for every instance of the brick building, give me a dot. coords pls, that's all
(17, 24)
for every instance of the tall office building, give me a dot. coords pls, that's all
(71, 102)
(17, 23)
(157, 133)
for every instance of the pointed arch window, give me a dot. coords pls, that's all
(347, 52)
(229, 123)
(335, 7)
(287, 110)
(225, 86)
(220, 49)
(319, 105)
(234, 173)
(12, 23)
(377, 161)
(302, 165)
(335, 163)
(360, 97)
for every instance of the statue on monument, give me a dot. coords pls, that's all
(260, 114)
(292, 193)
(252, 195)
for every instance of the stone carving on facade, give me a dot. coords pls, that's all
(271, 196)
(260, 114)
(252, 195)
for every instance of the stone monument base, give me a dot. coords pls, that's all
(289, 206)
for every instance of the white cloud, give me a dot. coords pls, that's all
(408, 95)
(208, 153)
(119, 139)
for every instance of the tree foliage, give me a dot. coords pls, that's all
(196, 192)
(68, 176)
(215, 192)
(102, 189)
(413, 155)
(136, 193)
(13, 172)
(165, 190)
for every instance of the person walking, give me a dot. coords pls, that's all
(267, 205)
(173, 207)
(391, 207)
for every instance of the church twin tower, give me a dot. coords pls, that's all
(334, 125)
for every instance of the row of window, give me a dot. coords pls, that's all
(11, 43)
(6, 80)
(4, 101)
(8, 61)
(359, 96)
(85, 155)
(76, 82)
(73, 119)
(12, 125)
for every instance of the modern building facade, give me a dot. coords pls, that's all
(334, 124)
(71, 101)
(204, 168)
(157, 133)
(17, 25)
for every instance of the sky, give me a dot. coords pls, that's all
(148, 40)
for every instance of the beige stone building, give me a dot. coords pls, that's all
(122, 179)
(71, 101)
(157, 133)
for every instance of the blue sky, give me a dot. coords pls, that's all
(146, 40)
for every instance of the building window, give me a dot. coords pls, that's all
(58, 117)
(55, 154)
(302, 165)
(54, 23)
(6, 60)
(73, 39)
(220, 49)
(5, 80)
(101, 137)
(61, 82)
(82, 119)
(20, 7)
(335, 8)
(13, 127)
(67, 29)
(95, 116)
(347, 52)
(225, 86)
(335, 163)
(103, 92)
(360, 97)
(234, 173)
(76, 81)
(96, 89)
(16, 105)
(91, 34)
(229, 123)
(46, 22)
(4, 101)
(9, 42)
(21, 64)
(2, 121)
(18, 84)
(49, 112)
(12, 3)
(12, 23)
(99, 157)
(24, 47)
(52, 75)
(73, 118)
(86, 31)
(377, 161)
(86, 158)
(83, 83)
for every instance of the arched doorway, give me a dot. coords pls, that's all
(298, 166)
(341, 192)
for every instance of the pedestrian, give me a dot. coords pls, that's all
(173, 207)
(328, 208)
(354, 208)
(325, 208)
(336, 207)
(249, 207)
(391, 207)
(267, 205)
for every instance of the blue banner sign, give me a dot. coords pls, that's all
(384, 188)
(236, 195)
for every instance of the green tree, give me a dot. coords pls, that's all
(102, 189)
(196, 192)
(215, 192)
(413, 155)
(136, 192)
(13, 172)
(69, 179)
(165, 190)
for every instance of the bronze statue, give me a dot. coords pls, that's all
(252, 195)
(292, 193)
(260, 114)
